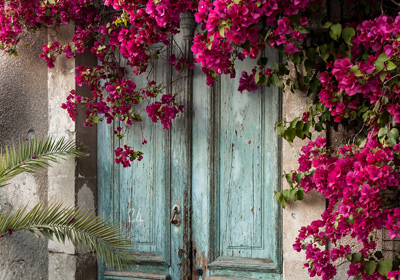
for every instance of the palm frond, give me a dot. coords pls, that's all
(34, 155)
(103, 238)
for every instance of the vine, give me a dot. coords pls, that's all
(348, 66)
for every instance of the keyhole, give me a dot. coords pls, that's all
(199, 272)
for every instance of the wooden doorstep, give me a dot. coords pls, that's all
(133, 274)
(227, 278)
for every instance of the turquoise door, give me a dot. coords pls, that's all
(216, 169)
(235, 229)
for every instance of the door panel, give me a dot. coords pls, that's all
(139, 197)
(219, 162)
(235, 228)
(142, 197)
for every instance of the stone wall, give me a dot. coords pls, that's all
(31, 97)
(298, 213)
(23, 113)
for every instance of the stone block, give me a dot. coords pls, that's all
(62, 266)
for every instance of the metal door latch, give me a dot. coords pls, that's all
(175, 210)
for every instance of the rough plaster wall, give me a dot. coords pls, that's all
(62, 259)
(23, 95)
(74, 182)
(298, 213)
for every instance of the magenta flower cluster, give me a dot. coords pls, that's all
(350, 81)
(125, 155)
(230, 23)
(351, 179)
(164, 111)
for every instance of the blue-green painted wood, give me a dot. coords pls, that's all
(235, 222)
(105, 178)
(220, 163)
(144, 190)
(139, 197)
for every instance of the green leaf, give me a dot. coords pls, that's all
(382, 76)
(361, 143)
(357, 258)
(293, 193)
(48, 12)
(263, 80)
(384, 266)
(394, 133)
(350, 219)
(381, 60)
(323, 52)
(299, 129)
(383, 57)
(318, 127)
(347, 34)
(283, 202)
(34, 155)
(274, 79)
(222, 32)
(310, 53)
(51, 1)
(356, 70)
(296, 58)
(288, 177)
(390, 66)
(280, 129)
(298, 177)
(286, 193)
(278, 196)
(328, 24)
(257, 77)
(105, 239)
(290, 134)
(300, 194)
(384, 118)
(335, 31)
(366, 115)
(307, 132)
(293, 123)
(369, 267)
(391, 142)
(309, 65)
(382, 132)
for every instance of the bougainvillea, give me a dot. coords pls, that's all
(354, 181)
(347, 64)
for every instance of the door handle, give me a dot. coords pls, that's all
(175, 210)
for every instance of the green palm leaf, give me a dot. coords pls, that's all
(34, 155)
(103, 238)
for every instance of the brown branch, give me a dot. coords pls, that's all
(394, 2)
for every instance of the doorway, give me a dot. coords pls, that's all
(200, 205)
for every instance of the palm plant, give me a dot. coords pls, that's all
(102, 237)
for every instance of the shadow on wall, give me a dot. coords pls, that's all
(23, 113)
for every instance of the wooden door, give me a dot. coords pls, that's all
(236, 230)
(220, 164)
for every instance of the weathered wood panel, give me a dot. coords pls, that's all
(139, 197)
(235, 219)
